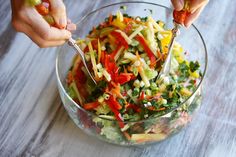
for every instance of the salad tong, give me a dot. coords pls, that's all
(43, 8)
(179, 17)
(72, 43)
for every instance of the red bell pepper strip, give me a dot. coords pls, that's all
(115, 104)
(180, 16)
(115, 51)
(134, 107)
(91, 105)
(111, 66)
(110, 19)
(113, 70)
(112, 103)
(120, 40)
(123, 78)
(95, 44)
(141, 97)
(146, 48)
(133, 77)
(128, 28)
(42, 9)
(103, 57)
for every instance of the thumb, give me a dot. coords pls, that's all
(58, 11)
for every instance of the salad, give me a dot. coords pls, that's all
(131, 100)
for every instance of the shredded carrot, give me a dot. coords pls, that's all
(153, 64)
(137, 55)
(112, 40)
(159, 55)
(110, 19)
(102, 57)
(116, 90)
(127, 136)
(127, 19)
(154, 109)
(69, 78)
(161, 109)
(76, 64)
(94, 30)
(125, 70)
(129, 68)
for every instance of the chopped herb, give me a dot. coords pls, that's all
(194, 66)
(108, 48)
(123, 7)
(135, 92)
(144, 19)
(150, 10)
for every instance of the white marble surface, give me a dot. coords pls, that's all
(33, 121)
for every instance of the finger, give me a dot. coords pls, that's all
(192, 17)
(25, 28)
(71, 27)
(41, 42)
(42, 28)
(69, 21)
(178, 4)
(58, 11)
(195, 4)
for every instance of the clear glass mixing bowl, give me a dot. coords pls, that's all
(164, 125)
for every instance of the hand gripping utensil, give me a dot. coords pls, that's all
(179, 18)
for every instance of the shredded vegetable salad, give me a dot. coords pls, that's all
(125, 55)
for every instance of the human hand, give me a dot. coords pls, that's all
(26, 19)
(195, 9)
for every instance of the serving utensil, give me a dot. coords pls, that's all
(179, 18)
(73, 44)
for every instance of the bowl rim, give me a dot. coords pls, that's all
(142, 120)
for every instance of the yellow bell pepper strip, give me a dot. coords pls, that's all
(99, 51)
(93, 60)
(118, 24)
(123, 78)
(120, 40)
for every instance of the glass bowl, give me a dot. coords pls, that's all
(164, 125)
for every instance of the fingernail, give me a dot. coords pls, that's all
(68, 21)
(62, 22)
(180, 4)
(187, 25)
(71, 27)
